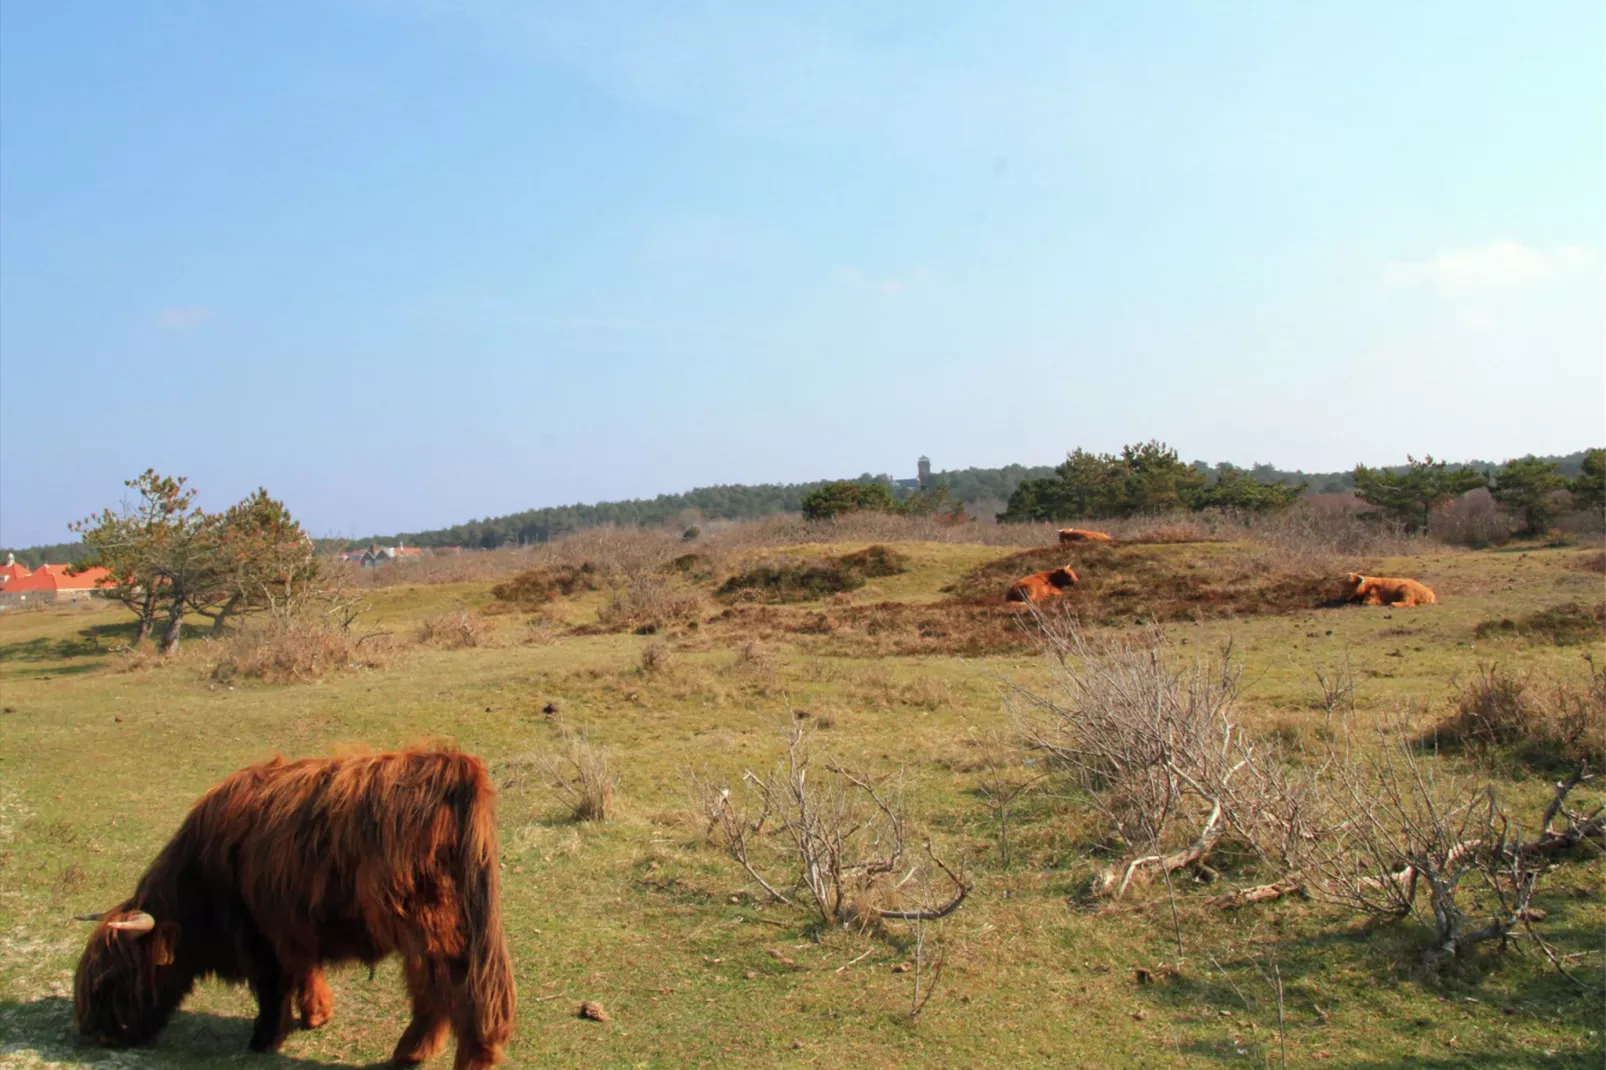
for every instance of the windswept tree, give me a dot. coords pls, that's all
(1532, 489)
(168, 558)
(1412, 495)
(259, 557)
(130, 543)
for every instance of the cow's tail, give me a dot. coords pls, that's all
(490, 970)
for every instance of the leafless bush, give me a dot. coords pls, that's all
(1398, 824)
(1154, 744)
(454, 630)
(579, 774)
(467, 566)
(837, 834)
(297, 650)
(618, 552)
(656, 658)
(1473, 520)
(1557, 722)
(649, 602)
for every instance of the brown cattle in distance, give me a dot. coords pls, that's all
(1386, 591)
(1040, 586)
(287, 866)
(1068, 536)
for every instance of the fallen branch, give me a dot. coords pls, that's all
(939, 912)
(1190, 855)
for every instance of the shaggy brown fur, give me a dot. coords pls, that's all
(1040, 586)
(1073, 535)
(1384, 591)
(286, 866)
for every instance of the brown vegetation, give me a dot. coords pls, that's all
(791, 580)
(1566, 624)
(1548, 723)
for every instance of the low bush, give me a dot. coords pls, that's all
(297, 651)
(803, 581)
(537, 585)
(1567, 624)
(649, 603)
(1554, 723)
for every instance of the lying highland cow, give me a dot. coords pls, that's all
(1040, 586)
(286, 866)
(1075, 535)
(1383, 591)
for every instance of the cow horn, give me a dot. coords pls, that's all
(138, 922)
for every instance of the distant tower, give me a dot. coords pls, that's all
(925, 473)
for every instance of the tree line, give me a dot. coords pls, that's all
(1097, 487)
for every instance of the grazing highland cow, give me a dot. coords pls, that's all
(286, 866)
(1383, 591)
(1040, 586)
(1075, 535)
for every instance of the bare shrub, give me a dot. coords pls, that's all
(1398, 824)
(454, 630)
(649, 602)
(1559, 722)
(837, 835)
(656, 658)
(433, 566)
(579, 774)
(1155, 744)
(297, 650)
(1473, 520)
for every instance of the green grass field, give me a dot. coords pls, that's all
(101, 755)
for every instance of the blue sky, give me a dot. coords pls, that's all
(407, 263)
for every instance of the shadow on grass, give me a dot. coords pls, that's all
(93, 641)
(44, 1029)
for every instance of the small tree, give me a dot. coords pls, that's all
(1236, 489)
(1529, 487)
(131, 544)
(166, 556)
(848, 496)
(259, 556)
(1413, 495)
(1589, 489)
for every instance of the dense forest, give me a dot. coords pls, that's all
(983, 490)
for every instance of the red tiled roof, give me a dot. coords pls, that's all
(14, 571)
(55, 578)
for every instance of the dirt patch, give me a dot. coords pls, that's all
(538, 585)
(804, 581)
(1130, 582)
(1595, 562)
(1567, 624)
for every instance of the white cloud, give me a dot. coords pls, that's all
(183, 318)
(1505, 265)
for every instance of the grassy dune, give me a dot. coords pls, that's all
(102, 753)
